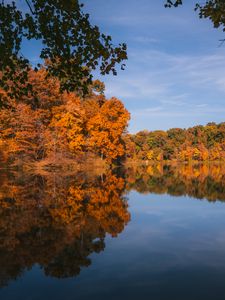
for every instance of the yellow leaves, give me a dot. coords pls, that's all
(200, 154)
(150, 155)
(196, 154)
(159, 157)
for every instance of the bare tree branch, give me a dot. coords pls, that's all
(29, 5)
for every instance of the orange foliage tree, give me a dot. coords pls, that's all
(106, 129)
(49, 124)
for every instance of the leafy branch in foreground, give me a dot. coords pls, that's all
(71, 45)
(211, 9)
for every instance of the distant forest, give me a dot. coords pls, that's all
(198, 143)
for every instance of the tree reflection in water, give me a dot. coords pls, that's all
(57, 221)
(198, 181)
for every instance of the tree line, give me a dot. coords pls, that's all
(198, 143)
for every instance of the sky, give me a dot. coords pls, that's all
(175, 73)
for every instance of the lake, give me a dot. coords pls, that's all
(151, 232)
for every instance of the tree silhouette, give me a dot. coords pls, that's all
(210, 9)
(71, 45)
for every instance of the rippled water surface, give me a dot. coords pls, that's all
(142, 233)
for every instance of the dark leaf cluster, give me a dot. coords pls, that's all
(71, 46)
(211, 9)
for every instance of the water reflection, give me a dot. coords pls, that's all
(199, 181)
(58, 220)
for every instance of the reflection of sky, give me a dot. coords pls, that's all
(175, 73)
(173, 248)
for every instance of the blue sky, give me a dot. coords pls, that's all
(175, 74)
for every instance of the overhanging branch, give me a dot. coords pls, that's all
(29, 5)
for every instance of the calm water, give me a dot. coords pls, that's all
(148, 233)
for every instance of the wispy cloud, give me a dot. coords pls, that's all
(175, 72)
(162, 86)
(172, 79)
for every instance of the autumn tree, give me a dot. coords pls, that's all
(106, 129)
(48, 124)
(65, 132)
